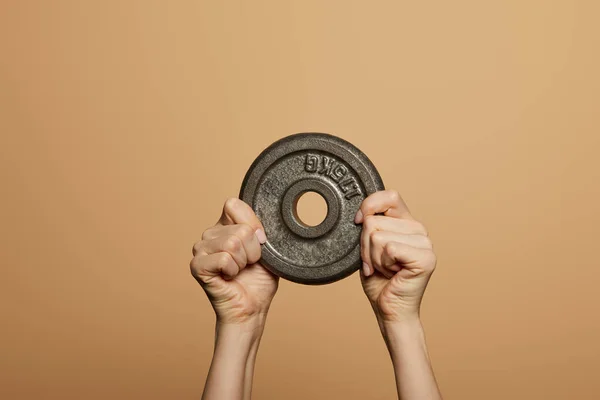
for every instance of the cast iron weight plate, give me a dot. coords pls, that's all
(301, 163)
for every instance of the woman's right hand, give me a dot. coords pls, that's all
(226, 265)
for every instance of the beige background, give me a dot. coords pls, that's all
(126, 124)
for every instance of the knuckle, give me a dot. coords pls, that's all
(395, 249)
(377, 237)
(368, 209)
(231, 203)
(421, 228)
(394, 195)
(224, 260)
(232, 244)
(389, 248)
(371, 236)
(427, 242)
(369, 223)
(197, 248)
(194, 266)
(366, 206)
(245, 231)
(253, 258)
(430, 261)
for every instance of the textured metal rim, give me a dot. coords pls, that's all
(356, 159)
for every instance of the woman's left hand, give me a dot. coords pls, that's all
(397, 254)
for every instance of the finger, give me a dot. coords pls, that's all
(245, 232)
(386, 202)
(228, 243)
(366, 272)
(383, 223)
(250, 242)
(235, 211)
(365, 252)
(412, 259)
(364, 277)
(375, 248)
(374, 223)
(206, 267)
(379, 239)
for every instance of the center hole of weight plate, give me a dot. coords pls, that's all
(311, 208)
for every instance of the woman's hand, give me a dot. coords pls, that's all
(398, 262)
(397, 254)
(240, 290)
(226, 264)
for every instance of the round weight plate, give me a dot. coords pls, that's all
(290, 167)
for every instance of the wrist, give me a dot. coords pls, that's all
(395, 317)
(395, 327)
(397, 333)
(247, 331)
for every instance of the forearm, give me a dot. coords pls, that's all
(232, 367)
(250, 362)
(414, 375)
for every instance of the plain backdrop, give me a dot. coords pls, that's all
(126, 124)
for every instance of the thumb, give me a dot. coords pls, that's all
(235, 211)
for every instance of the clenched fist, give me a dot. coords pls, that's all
(397, 254)
(226, 264)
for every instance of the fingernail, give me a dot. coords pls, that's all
(366, 269)
(358, 218)
(260, 235)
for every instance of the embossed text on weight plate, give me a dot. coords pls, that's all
(335, 170)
